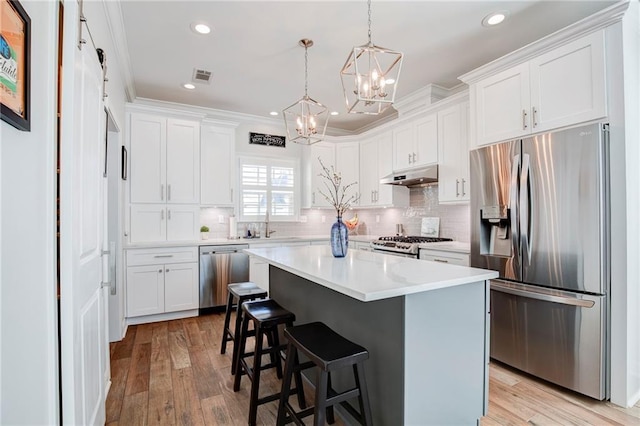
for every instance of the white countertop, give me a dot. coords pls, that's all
(368, 276)
(226, 241)
(455, 246)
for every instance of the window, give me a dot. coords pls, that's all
(269, 185)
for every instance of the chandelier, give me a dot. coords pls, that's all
(370, 77)
(306, 120)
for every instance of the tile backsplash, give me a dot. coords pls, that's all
(454, 219)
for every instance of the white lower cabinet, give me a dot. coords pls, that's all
(161, 280)
(443, 256)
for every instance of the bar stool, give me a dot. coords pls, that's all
(328, 351)
(266, 316)
(241, 292)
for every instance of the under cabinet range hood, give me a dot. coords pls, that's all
(413, 178)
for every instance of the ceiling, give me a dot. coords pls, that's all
(258, 66)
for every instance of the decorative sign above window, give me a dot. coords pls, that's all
(269, 140)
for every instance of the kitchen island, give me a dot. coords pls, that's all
(425, 325)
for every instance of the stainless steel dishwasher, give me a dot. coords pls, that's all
(219, 266)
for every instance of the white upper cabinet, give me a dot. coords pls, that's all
(183, 161)
(148, 156)
(568, 84)
(326, 152)
(348, 165)
(217, 166)
(165, 160)
(164, 222)
(426, 134)
(502, 105)
(562, 87)
(376, 156)
(415, 142)
(453, 151)
(368, 172)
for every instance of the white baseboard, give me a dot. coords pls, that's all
(161, 317)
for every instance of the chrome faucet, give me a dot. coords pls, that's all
(267, 232)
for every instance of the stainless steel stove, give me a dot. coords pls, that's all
(403, 246)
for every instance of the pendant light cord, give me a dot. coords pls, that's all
(369, 7)
(305, 70)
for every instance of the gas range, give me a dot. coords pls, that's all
(403, 246)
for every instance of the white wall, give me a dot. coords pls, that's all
(631, 69)
(28, 350)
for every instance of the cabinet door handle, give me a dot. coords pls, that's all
(162, 214)
(313, 198)
(161, 192)
(534, 111)
(169, 192)
(166, 270)
(524, 119)
(159, 271)
(163, 255)
(435, 259)
(409, 158)
(414, 157)
(463, 193)
(231, 193)
(169, 214)
(457, 188)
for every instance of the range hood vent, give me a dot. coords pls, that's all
(413, 178)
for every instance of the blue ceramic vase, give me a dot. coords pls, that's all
(339, 238)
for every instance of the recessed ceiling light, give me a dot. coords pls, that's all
(495, 18)
(334, 113)
(200, 28)
(189, 86)
(273, 113)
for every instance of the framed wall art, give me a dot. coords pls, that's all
(15, 76)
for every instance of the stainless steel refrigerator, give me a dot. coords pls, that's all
(540, 217)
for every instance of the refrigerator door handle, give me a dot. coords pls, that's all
(525, 207)
(540, 295)
(513, 204)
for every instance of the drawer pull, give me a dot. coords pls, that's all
(435, 259)
(163, 255)
(159, 271)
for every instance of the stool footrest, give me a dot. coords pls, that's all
(335, 398)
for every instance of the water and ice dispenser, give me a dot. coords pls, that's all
(495, 231)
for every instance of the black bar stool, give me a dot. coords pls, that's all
(328, 351)
(266, 316)
(240, 292)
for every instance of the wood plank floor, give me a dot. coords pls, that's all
(172, 373)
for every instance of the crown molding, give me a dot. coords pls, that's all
(428, 95)
(588, 25)
(113, 14)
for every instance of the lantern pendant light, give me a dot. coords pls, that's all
(370, 77)
(306, 120)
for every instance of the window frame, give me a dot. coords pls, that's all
(270, 162)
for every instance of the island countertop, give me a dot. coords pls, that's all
(368, 276)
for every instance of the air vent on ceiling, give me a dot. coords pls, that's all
(201, 76)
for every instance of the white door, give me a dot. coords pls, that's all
(368, 171)
(148, 156)
(217, 169)
(348, 165)
(426, 129)
(403, 146)
(84, 346)
(181, 289)
(325, 152)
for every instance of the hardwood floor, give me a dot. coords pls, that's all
(172, 373)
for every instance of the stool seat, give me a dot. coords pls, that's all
(326, 348)
(267, 312)
(245, 289)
